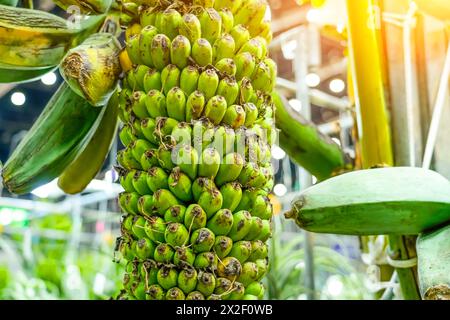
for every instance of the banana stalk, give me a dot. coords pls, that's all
(86, 6)
(314, 151)
(36, 39)
(77, 175)
(92, 69)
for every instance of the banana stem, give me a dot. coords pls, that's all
(304, 144)
(372, 121)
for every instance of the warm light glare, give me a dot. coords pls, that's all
(280, 190)
(18, 98)
(268, 14)
(313, 15)
(337, 85)
(338, 142)
(288, 49)
(312, 80)
(334, 286)
(49, 79)
(278, 153)
(296, 104)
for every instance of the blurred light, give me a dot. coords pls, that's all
(313, 15)
(278, 153)
(337, 85)
(111, 176)
(338, 142)
(288, 49)
(280, 190)
(340, 27)
(296, 104)
(9, 215)
(49, 79)
(312, 79)
(47, 190)
(99, 283)
(334, 286)
(268, 14)
(314, 179)
(18, 98)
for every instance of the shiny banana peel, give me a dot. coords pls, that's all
(37, 39)
(86, 6)
(433, 253)
(77, 175)
(398, 200)
(22, 75)
(59, 134)
(92, 69)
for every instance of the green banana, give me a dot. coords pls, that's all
(398, 200)
(86, 6)
(433, 253)
(37, 39)
(92, 69)
(77, 175)
(61, 132)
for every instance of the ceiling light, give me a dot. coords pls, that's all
(278, 153)
(18, 98)
(49, 79)
(280, 190)
(296, 104)
(312, 80)
(337, 85)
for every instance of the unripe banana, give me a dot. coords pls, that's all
(229, 89)
(226, 66)
(255, 47)
(245, 65)
(221, 222)
(215, 109)
(170, 78)
(232, 5)
(227, 20)
(211, 201)
(187, 159)
(175, 214)
(230, 168)
(180, 51)
(251, 12)
(208, 83)
(180, 185)
(148, 127)
(138, 105)
(195, 217)
(137, 76)
(133, 49)
(145, 44)
(234, 116)
(222, 246)
(246, 92)
(240, 35)
(189, 80)
(202, 52)
(190, 27)
(175, 294)
(176, 104)
(232, 194)
(147, 17)
(160, 51)
(155, 103)
(157, 179)
(209, 163)
(170, 22)
(211, 24)
(224, 47)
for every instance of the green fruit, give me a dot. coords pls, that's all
(149, 159)
(160, 51)
(211, 201)
(175, 214)
(224, 47)
(230, 168)
(195, 217)
(155, 228)
(256, 228)
(180, 185)
(202, 52)
(190, 27)
(138, 227)
(187, 159)
(167, 277)
(200, 185)
(232, 195)
(229, 89)
(215, 109)
(145, 205)
(183, 256)
(145, 249)
(152, 80)
(180, 51)
(155, 292)
(205, 260)
(223, 246)
(223, 287)
(156, 104)
(140, 182)
(221, 222)
(208, 82)
(187, 280)
(157, 179)
(249, 273)
(170, 22)
(163, 200)
(195, 295)
(241, 250)
(238, 291)
(170, 78)
(176, 234)
(202, 240)
(175, 294)
(227, 67)
(206, 283)
(188, 82)
(241, 225)
(164, 254)
(229, 268)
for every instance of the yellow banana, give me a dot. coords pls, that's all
(36, 39)
(92, 69)
(77, 175)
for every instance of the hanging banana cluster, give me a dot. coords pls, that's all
(197, 126)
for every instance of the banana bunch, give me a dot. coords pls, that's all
(32, 39)
(398, 200)
(197, 128)
(92, 69)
